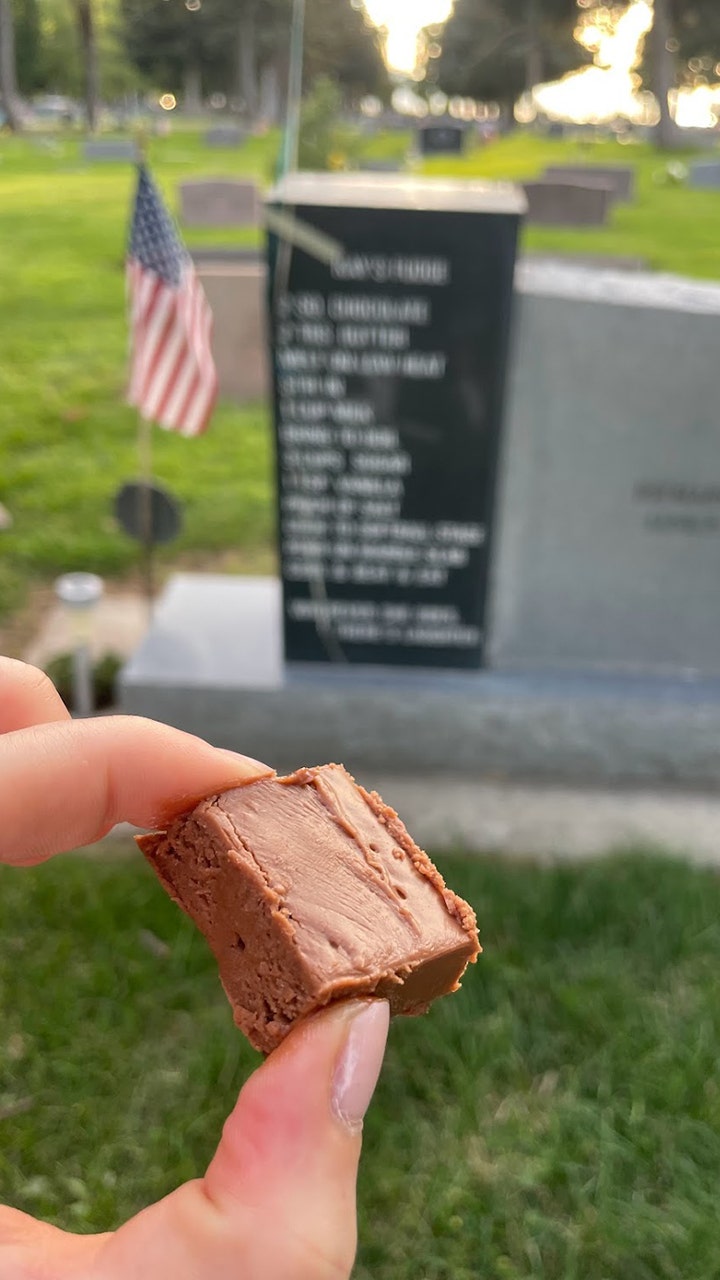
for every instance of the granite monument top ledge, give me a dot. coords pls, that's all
(618, 288)
(399, 191)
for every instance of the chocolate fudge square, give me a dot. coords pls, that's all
(310, 890)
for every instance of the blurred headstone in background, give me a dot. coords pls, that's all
(219, 202)
(441, 138)
(100, 149)
(621, 178)
(568, 204)
(380, 166)
(6, 519)
(235, 288)
(225, 135)
(705, 175)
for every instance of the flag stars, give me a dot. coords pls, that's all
(173, 380)
(154, 241)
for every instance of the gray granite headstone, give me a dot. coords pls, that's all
(224, 135)
(110, 149)
(705, 175)
(236, 292)
(380, 166)
(219, 202)
(621, 178)
(568, 204)
(608, 552)
(597, 261)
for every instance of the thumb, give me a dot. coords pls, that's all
(278, 1200)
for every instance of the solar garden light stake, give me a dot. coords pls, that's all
(80, 594)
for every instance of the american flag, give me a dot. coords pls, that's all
(173, 380)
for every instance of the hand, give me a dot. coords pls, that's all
(278, 1200)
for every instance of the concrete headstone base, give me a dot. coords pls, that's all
(211, 664)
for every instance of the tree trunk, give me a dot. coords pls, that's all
(662, 72)
(247, 62)
(534, 51)
(270, 95)
(8, 76)
(507, 114)
(192, 91)
(91, 64)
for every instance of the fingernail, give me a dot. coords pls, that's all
(360, 1062)
(250, 768)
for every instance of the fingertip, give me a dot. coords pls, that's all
(222, 771)
(358, 1068)
(251, 770)
(301, 1112)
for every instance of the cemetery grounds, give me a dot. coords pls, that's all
(560, 1118)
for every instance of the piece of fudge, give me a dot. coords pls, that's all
(310, 890)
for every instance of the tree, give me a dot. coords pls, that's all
(50, 58)
(28, 45)
(8, 74)
(696, 31)
(187, 50)
(58, 41)
(494, 50)
(85, 19)
(661, 60)
(341, 42)
(247, 66)
(227, 45)
(682, 46)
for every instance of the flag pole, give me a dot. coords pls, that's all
(173, 378)
(291, 140)
(144, 446)
(145, 461)
(295, 86)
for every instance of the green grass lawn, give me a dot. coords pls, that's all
(558, 1120)
(66, 439)
(671, 228)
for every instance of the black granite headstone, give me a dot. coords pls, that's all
(390, 310)
(442, 138)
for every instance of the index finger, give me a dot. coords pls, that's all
(66, 785)
(27, 696)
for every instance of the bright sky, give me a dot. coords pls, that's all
(611, 88)
(592, 94)
(404, 20)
